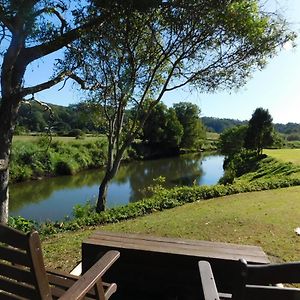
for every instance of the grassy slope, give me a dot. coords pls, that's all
(267, 219)
(287, 155)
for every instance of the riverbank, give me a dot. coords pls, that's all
(54, 198)
(36, 157)
(257, 218)
(269, 174)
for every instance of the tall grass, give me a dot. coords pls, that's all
(38, 158)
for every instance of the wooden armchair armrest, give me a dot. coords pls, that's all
(209, 288)
(90, 278)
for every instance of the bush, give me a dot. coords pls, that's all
(30, 160)
(77, 133)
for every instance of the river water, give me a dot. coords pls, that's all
(54, 198)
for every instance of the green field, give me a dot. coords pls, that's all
(212, 136)
(35, 138)
(286, 155)
(266, 219)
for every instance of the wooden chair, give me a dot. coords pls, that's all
(256, 282)
(23, 274)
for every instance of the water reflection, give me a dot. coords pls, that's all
(54, 198)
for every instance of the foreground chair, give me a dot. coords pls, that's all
(256, 282)
(23, 274)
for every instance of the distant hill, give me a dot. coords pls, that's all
(219, 125)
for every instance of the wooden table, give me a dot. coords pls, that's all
(166, 268)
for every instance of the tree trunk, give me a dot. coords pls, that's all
(111, 171)
(4, 174)
(101, 203)
(8, 114)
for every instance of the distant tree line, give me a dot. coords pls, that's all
(60, 120)
(167, 128)
(219, 125)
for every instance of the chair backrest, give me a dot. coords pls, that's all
(257, 281)
(22, 270)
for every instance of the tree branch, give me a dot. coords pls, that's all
(44, 85)
(36, 52)
(52, 10)
(6, 22)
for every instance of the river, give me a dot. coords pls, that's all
(54, 198)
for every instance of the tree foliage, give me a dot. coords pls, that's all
(143, 53)
(260, 131)
(188, 115)
(30, 30)
(232, 140)
(163, 129)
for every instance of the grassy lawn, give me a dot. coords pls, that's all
(287, 155)
(266, 219)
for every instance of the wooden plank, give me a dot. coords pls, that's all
(7, 296)
(19, 289)
(13, 237)
(186, 247)
(126, 238)
(113, 235)
(16, 272)
(14, 256)
(38, 267)
(181, 248)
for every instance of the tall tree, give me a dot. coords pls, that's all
(144, 54)
(260, 130)
(232, 140)
(188, 115)
(163, 129)
(30, 30)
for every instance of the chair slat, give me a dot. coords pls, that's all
(13, 237)
(16, 288)
(17, 273)
(6, 296)
(64, 281)
(58, 292)
(14, 256)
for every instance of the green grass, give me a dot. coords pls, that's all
(35, 138)
(266, 219)
(212, 136)
(286, 155)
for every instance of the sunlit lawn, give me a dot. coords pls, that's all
(32, 138)
(266, 219)
(287, 155)
(212, 135)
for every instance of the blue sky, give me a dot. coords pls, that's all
(276, 87)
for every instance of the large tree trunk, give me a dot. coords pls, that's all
(101, 203)
(111, 171)
(8, 114)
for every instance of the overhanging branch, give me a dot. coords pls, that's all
(43, 86)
